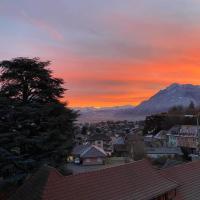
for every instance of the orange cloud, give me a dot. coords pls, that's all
(117, 53)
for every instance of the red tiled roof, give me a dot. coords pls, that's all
(33, 188)
(6, 192)
(134, 181)
(188, 176)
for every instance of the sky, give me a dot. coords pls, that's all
(109, 52)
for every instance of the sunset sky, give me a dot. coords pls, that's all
(109, 52)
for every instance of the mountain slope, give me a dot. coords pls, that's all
(175, 94)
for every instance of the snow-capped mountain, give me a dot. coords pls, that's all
(175, 94)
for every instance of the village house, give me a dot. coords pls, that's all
(172, 136)
(158, 140)
(161, 138)
(103, 141)
(88, 155)
(119, 146)
(185, 136)
(188, 137)
(149, 140)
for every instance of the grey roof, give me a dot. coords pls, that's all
(119, 140)
(79, 149)
(88, 151)
(93, 152)
(174, 130)
(184, 130)
(164, 150)
(189, 130)
(161, 135)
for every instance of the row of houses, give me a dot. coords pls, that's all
(133, 181)
(94, 155)
(97, 147)
(111, 128)
(105, 135)
(184, 136)
(108, 143)
(164, 144)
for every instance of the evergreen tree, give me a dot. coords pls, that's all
(176, 110)
(191, 108)
(35, 127)
(191, 105)
(29, 80)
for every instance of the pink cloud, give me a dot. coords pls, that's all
(43, 25)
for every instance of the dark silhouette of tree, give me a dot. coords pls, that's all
(135, 146)
(84, 130)
(177, 115)
(154, 123)
(191, 108)
(176, 110)
(35, 127)
(29, 80)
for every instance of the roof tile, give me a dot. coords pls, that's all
(133, 181)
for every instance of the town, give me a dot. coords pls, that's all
(125, 140)
(48, 153)
(116, 155)
(99, 100)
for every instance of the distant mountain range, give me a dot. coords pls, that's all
(91, 114)
(175, 94)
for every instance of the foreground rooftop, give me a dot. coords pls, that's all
(133, 181)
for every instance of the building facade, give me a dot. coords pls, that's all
(185, 136)
(102, 141)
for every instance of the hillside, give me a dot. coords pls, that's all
(173, 95)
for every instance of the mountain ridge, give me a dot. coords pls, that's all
(174, 95)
